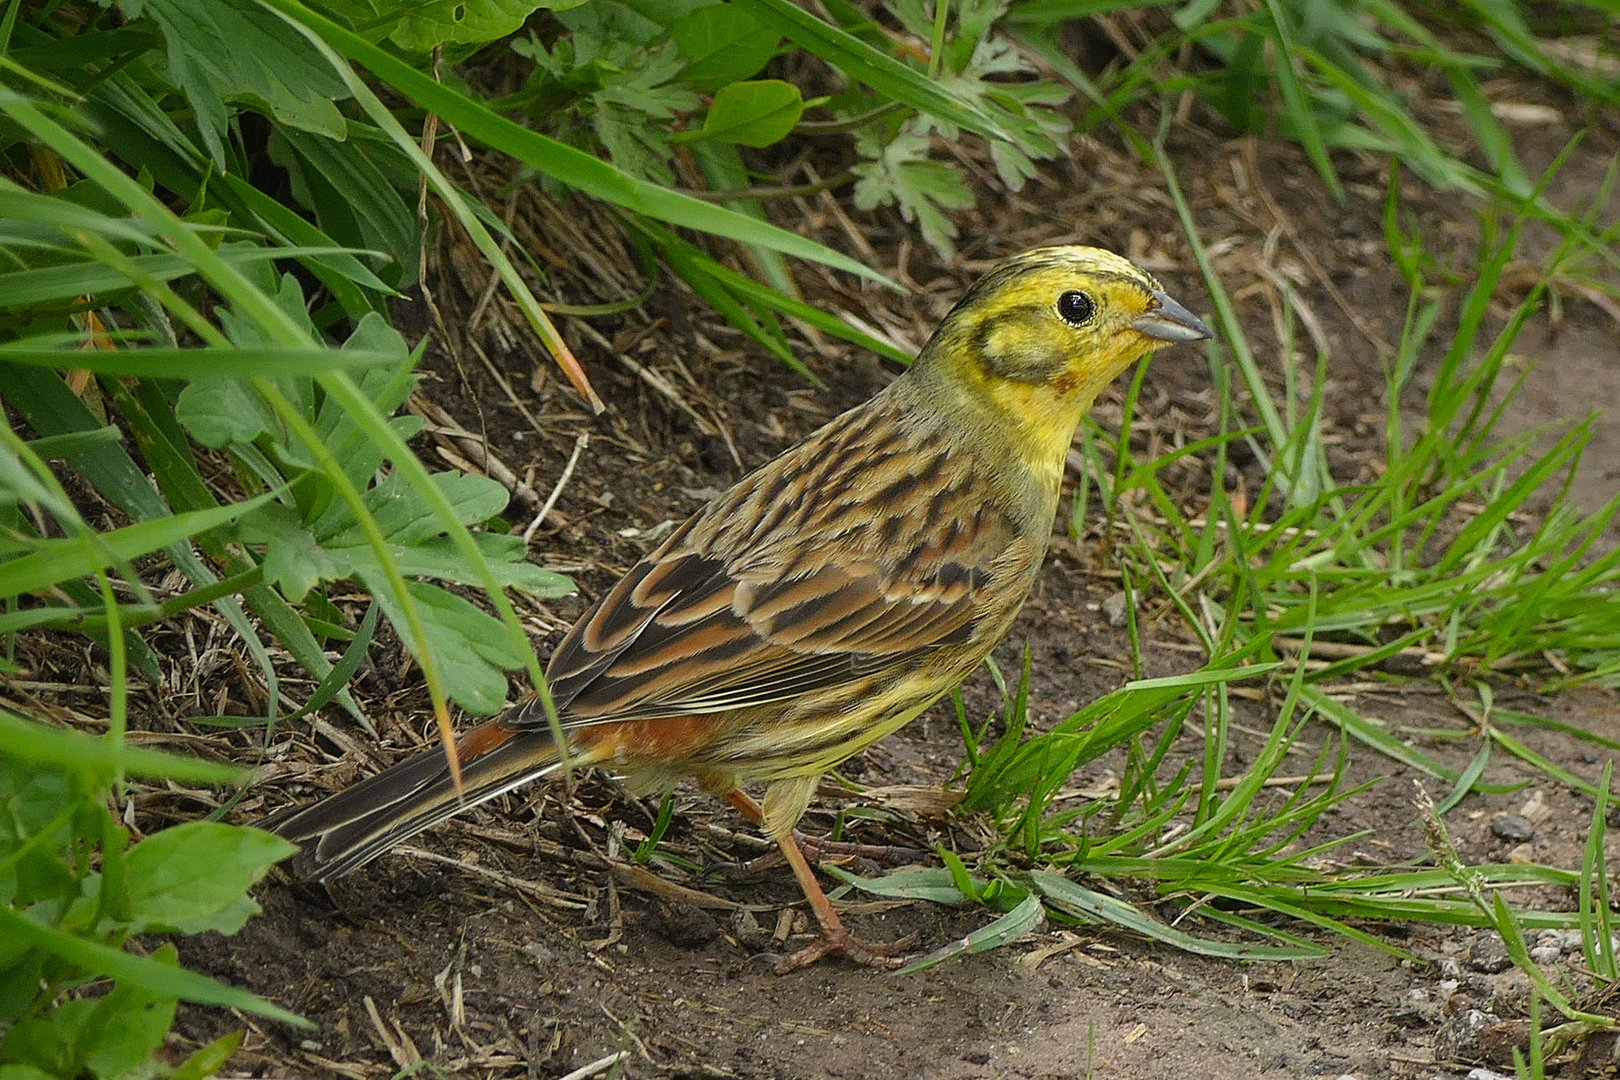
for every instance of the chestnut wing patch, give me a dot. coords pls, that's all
(685, 634)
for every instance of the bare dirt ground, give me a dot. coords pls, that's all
(523, 942)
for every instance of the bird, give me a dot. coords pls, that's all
(824, 600)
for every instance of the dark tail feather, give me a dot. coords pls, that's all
(347, 830)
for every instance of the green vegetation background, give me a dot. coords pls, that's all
(169, 331)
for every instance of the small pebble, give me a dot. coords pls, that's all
(1449, 968)
(1486, 1074)
(1521, 855)
(1511, 995)
(1489, 955)
(1415, 1016)
(1458, 1036)
(1513, 828)
(1545, 954)
(1535, 808)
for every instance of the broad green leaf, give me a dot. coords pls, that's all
(339, 271)
(387, 387)
(439, 559)
(223, 51)
(561, 161)
(21, 289)
(128, 1025)
(354, 201)
(218, 412)
(295, 560)
(48, 1041)
(426, 26)
(194, 877)
(25, 1072)
(722, 45)
(757, 114)
(158, 363)
(407, 520)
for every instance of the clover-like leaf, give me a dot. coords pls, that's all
(901, 174)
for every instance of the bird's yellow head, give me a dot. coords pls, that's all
(1039, 336)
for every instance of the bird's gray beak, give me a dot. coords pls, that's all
(1169, 321)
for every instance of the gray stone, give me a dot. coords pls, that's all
(1489, 955)
(1512, 828)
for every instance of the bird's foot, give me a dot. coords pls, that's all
(838, 941)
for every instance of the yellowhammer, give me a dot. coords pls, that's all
(828, 597)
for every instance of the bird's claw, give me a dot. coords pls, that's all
(842, 943)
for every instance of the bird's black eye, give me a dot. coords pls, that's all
(1076, 308)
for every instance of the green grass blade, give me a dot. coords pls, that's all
(161, 363)
(55, 560)
(1092, 906)
(29, 740)
(1005, 928)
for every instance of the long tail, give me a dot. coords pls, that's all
(347, 830)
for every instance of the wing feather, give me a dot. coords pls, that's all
(796, 580)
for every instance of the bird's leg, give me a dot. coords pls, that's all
(819, 849)
(834, 939)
